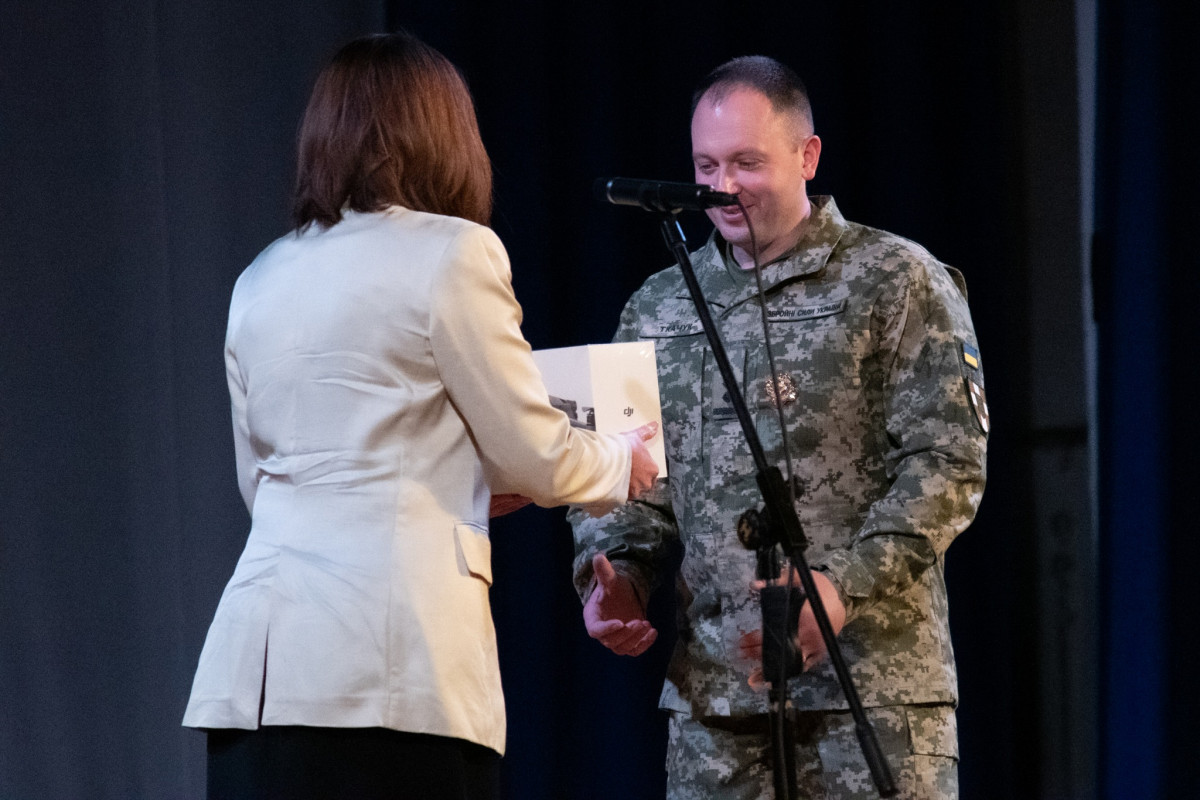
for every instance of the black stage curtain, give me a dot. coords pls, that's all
(146, 151)
(1147, 283)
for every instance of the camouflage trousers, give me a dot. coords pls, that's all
(729, 758)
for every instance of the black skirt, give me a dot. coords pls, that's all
(296, 762)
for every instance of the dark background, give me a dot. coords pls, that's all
(146, 156)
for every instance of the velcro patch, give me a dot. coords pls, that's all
(970, 356)
(979, 404)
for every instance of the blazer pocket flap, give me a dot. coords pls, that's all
(473, 549)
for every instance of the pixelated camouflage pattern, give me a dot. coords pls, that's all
(889, 459)
(919, 743)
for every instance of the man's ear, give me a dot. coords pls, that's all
(811, 152)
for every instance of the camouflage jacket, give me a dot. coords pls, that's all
(888, 434)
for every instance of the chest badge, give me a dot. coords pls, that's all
(780, 390)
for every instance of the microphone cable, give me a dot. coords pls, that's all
(762, 306)
(779, 737)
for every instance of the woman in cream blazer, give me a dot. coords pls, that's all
(381, 393)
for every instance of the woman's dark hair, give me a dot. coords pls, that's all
(390, 122)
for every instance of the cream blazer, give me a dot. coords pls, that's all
(380, 385)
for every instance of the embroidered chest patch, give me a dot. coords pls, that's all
(797, 313)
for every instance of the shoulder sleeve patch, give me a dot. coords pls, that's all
(979, 405)
(970, 355)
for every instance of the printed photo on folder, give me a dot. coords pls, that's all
(608, 388)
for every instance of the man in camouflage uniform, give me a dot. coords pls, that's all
(879, 374)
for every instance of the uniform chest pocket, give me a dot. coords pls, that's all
(723, 444)
(701, 432)
(816, 381)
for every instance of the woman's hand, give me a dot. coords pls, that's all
(645, 471)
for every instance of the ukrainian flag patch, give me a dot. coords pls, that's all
(970, 355)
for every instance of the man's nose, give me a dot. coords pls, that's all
(727, 181)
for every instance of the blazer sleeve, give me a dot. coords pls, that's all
(526, 445)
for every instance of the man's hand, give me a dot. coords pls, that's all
(644, 471)
(506, 504)
(614, 615)
(809, 642)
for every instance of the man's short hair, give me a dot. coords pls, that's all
(776, 81)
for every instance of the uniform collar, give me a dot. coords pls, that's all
(807, 258)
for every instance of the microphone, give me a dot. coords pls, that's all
(661, 195)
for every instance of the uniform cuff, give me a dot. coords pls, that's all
(850, 577)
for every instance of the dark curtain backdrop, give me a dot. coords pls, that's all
(146, 151)
(1148, 282)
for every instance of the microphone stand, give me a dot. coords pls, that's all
(782, 520)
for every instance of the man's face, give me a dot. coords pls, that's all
(740, 144)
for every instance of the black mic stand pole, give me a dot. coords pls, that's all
(783, 520)
(780, 606)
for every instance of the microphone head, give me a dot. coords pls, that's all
(600, 189)
(660, 195)
(714, 198)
